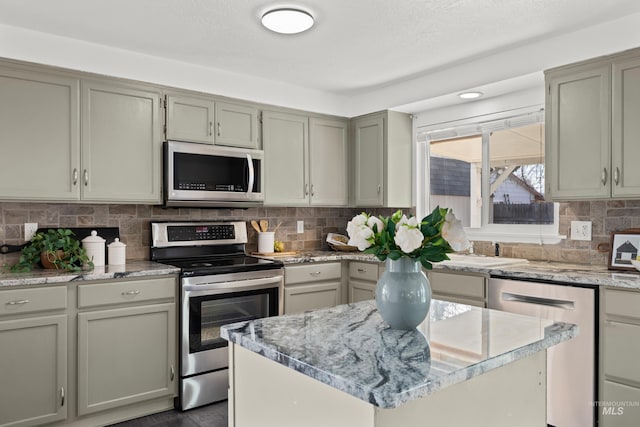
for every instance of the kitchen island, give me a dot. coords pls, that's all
(343, 367)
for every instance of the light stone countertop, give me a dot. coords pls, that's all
(130, 269)
(348, 347)
(556, 272)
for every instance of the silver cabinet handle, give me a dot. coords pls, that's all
(18, 302)
(315, 273)
(362, 270)
(86, 177)
(379, 188)
(306, 189)
(171, 373)
(61, 396)
(75, 176)
(616, 175)
(131, 293)
(312, 192)
(210, 128)
(219, 127)
(603, 178)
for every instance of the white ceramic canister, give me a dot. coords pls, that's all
(266, 239)
(95, 247)
(117, 252)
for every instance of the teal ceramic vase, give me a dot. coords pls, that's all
(403, 294)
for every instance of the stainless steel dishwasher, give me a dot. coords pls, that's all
(571, 366)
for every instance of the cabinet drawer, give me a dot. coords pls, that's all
(457, 284)
(363, 271)
(622, 351)
(31, 300)
(622, 303)
(311, 273)
(125, 292)
(619, 416)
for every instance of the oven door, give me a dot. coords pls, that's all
(208, 306)
(208, 175)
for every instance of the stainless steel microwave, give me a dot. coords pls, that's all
(203, 175)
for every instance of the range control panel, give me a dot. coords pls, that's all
(167, 234)
(185, 233)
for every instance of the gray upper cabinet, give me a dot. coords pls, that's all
(305, 160)
(121, 143)
(189, 119)
(382, 160)
(592, 128)
(40, 138)
(328, 162)
(236, 125)
(286, 154)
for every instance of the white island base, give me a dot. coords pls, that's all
(265, 393)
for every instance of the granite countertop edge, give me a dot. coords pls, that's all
(41, 277)
(556, 272)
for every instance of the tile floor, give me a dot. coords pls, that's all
(214, 415)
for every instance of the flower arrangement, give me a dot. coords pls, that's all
(397, 236)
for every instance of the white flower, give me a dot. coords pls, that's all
(408, 236)
(453, 233)
(373, 220)
(360, 234)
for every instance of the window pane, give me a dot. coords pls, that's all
(517, 177)
(455, 176)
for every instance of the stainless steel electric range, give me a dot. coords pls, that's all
(219, 284)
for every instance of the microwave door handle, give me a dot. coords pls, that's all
(251, 174)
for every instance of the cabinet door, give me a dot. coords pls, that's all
(189, 119)
(286, 156)
(121, 144)
(237, 125)
(39, 118)
(33, 370)
(125, 355)
(361, 291)
(300, 298)
(626, 128)
(369, 173)
(329, 154)
(579, 132)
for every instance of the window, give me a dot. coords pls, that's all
(492, 175)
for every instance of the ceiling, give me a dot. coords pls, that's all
(358, 48)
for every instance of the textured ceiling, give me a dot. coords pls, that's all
(356, 45)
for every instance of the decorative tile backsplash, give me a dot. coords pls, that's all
(134, 220)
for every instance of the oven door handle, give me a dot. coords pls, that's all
(236, 285)
(251, 174)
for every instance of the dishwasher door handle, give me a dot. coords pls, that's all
(528, 299)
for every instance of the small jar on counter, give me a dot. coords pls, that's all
(95, 247)
(117, 252)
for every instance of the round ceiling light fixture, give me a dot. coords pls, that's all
(470, 95)
(287, 20)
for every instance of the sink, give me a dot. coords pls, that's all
(482, 261)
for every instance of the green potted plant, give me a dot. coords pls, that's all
(56, 248)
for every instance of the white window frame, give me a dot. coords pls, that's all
(511, 233)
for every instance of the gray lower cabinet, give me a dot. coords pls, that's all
(312, 286)
(126, 351)
(383, 152)
(619, 355)
(121, 143)
(33, 356)
(363, 277)
(40, 138)
(459, 287)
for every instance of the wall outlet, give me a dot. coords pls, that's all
(300, 226)
(30, 229)
(581, 230)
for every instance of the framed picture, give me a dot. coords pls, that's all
(625, 246)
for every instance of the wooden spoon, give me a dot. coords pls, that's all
(254, 224)
(277, 226)
(264, 225)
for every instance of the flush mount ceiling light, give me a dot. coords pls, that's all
(287, 20)
(470, 95)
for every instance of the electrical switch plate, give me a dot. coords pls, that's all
(581, 230)
(300, 226)
(30, 229)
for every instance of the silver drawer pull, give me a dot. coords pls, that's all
(171, 373)
(362, 270)
(19, 302)
(315, 273)
(61, 396)
(131, 293)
